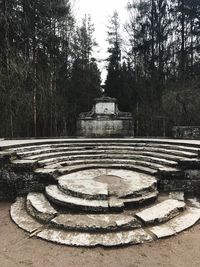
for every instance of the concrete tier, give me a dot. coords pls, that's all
(161, 212)
(95, 222)
(38, 206)
(177, 224)
(121, 238)
(92, 230)
(99, 183)
(62, 199)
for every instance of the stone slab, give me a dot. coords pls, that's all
(39, 207)
(95, 222)
(132, 184)
(22, 218)
(177, 195)
(81, 165)
(178, 224)
(24, 142)
(115, 204)
(103, 149)
(140, 200)
(127, 183)
(88, 189)
(58, 197)
(113, 157)
(122, 238)
(161, 212)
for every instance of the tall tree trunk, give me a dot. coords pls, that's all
(182, 63)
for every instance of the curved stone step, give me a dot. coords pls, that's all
(131, 143)
(146, 198)
(63, 164)
(42, 151)
(54, 173)
(96, 164)
(177, 224)
(60, 198)
(86, 188)
(112, 239)
(52, 153)
(39, 207)
(20, 216)
(95, 222)
(162, 158)
(114, 157)
(161, 212)
(74, 238)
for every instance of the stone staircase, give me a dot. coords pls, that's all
(167, 159)
(101, 192)
(40, 217)
(63, 157)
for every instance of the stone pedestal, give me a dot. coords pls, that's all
(105, 120)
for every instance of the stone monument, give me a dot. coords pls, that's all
(105, 120)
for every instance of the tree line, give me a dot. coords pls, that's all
(154, 68)
(48, 74)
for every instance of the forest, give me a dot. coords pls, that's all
(48, 72)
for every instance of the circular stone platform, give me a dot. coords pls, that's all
(104, 183)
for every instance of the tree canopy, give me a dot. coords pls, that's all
(48, 72)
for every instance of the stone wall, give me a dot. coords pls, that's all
(186, 132)
(104, 128)
(19, 182)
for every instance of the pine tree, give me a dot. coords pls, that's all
(112, 83)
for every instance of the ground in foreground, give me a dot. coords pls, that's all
(18, 250)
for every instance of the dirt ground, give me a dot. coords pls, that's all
(17, 249)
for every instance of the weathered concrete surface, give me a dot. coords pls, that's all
(132, 184)
(126, 183)
(19, 250)
(73, 238)
(97, 128)
(101, 229)
(132, 237)
(127, 158)
(105, 164)
(140, 200)
(178, 224)
(24, 142)
(88, 189)
(39, 207)
(95, 222)
(161, 212)
(105, 120)
(177, 195)
(60, 198)
(21, 177)
(21, 218)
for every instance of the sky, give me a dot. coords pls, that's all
(100, 11)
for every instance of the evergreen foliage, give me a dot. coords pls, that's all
(48, 74)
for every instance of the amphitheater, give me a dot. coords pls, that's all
(107, 192)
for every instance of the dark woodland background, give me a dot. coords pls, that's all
(48, 74)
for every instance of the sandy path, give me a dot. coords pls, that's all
(16, 249)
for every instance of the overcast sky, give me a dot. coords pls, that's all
(100, 10)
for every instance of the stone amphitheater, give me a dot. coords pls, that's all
(108, 192)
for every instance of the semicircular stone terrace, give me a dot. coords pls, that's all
(109, 192)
